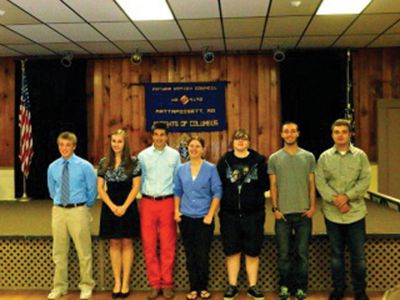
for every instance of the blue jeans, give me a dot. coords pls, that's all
(293, 236)
(352, 235)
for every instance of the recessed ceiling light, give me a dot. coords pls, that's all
(2, 12)
(342, 7)
(295, 3)
(146, 10)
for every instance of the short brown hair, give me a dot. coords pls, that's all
(66, 135)
(290, 123)
(197, 138)
(159, 125)
(241, 134)
(342, 122)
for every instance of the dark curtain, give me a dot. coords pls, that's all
(313, 91)
(58, 103)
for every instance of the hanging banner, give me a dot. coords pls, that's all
(186, 106)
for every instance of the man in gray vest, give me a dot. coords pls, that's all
(291, 172)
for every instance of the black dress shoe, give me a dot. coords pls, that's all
(124, 295)
(336, 295)
(361, 296)
(115, 295)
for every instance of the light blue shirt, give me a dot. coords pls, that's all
(158, 169)
(196, 195)
(82, 181)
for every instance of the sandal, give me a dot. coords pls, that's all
(191, 295)
(204, 294)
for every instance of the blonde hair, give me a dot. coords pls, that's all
(66, 135)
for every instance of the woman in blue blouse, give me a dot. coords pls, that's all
(119, 220)
(197, 189)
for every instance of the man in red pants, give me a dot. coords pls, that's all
(158, 164)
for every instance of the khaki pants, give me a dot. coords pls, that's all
(74, 223)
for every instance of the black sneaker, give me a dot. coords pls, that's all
(231, 293)
(336, 295)
(361, 296)
(300, 295)
(284, 293)
(255, 293)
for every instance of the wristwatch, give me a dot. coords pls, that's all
(274, 209)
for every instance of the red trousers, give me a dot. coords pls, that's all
(157, 224)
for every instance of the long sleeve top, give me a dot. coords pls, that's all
(347, 174)
(196, 194)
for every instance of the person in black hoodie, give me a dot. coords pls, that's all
(244, 177)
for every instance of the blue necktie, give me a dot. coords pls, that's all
(65, 184)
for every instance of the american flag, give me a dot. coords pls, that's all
(25, 126)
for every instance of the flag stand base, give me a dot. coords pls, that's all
(24, 198)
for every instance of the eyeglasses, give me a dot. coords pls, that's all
(241, 138)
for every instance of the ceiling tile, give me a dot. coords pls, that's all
(48, 10)
(195, 9)
(286, 26)
(354, 41)
(151, 29)
(38, 33)
(284, 8)
(280, 42)
(243, 44)
(61, 48)
(329, 25)
(212, 44)
(241, 8)
(368, 24)
(100, 47)
(131, 46)
(79, 32)
(316, 41)
(387, 40)
(4, 51)
(97, 11)
(210, 28)
(395, 28)
(14, 15)
(383, 6)
(119, 31)
(9, 37)
(243, 27)
(171, 46)
(32, 49)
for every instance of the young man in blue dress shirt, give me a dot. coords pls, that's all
(72, 186)
(158, 164)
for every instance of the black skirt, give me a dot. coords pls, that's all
(127, 226)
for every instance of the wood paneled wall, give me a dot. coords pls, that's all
(252, 99)
(7, 114)
(376, 74)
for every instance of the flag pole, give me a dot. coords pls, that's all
(24, 123)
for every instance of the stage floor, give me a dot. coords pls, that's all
(36, 295)
(33, 219)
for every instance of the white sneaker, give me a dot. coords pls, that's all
(86, 294)
(55, 294)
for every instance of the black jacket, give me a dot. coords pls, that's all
(244, 181)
